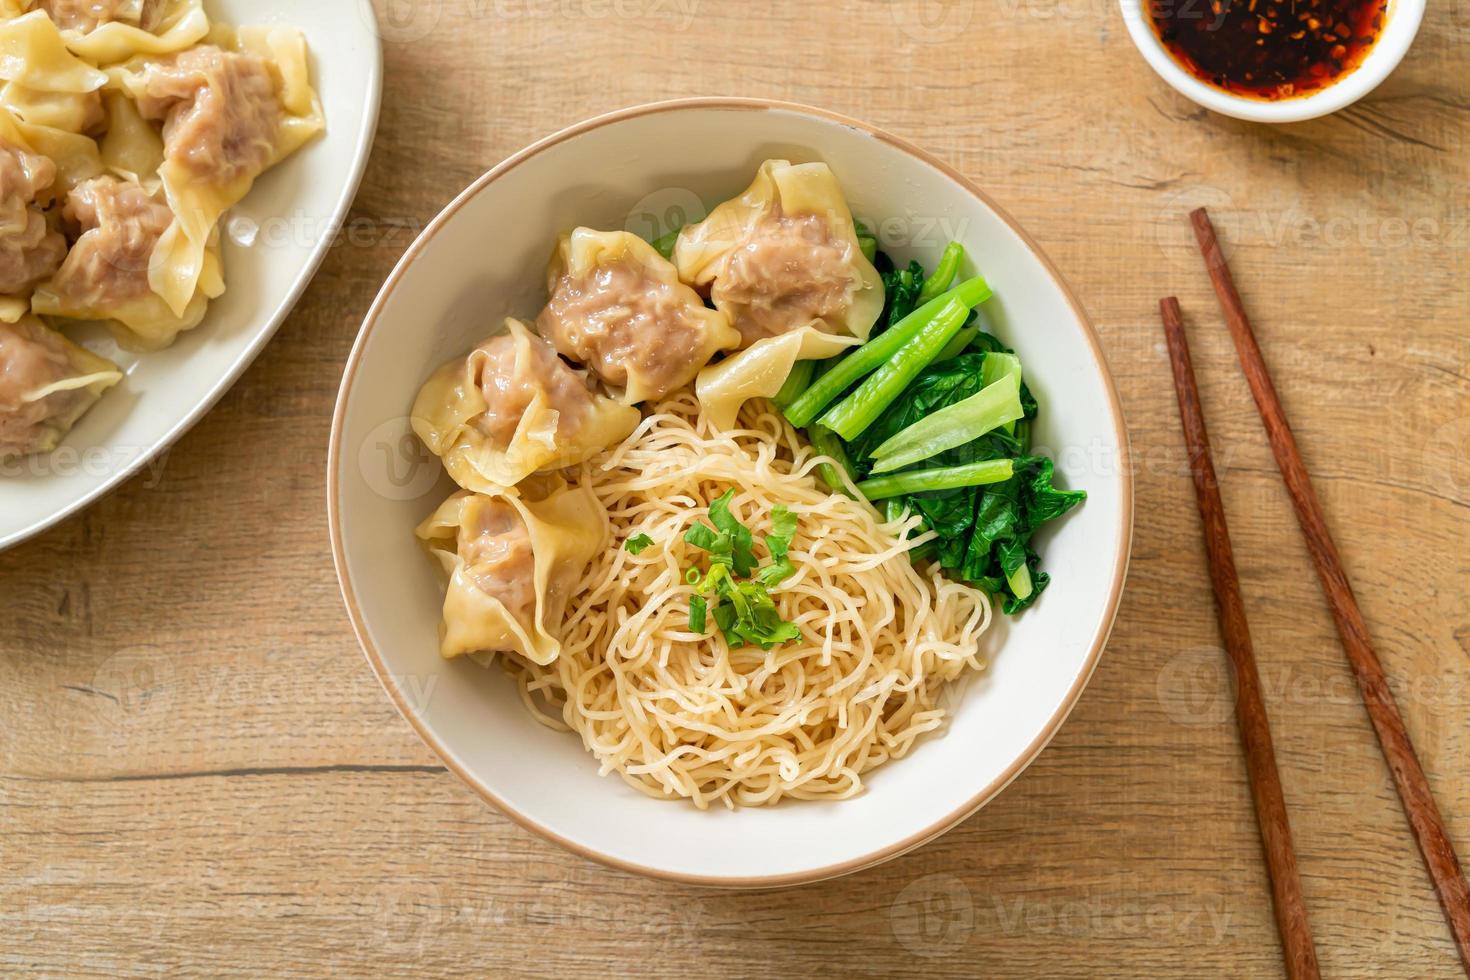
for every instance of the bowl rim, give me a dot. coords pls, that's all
(1397, 37)
(870, 858)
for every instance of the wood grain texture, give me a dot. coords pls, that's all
(1413, 786)
(199, 774)
(1299, 953)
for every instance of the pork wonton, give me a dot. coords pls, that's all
(46, 384)
(512, 407)
(230, 110)
(106, 273)
(512, 561)
(784, 255)
(618, 307)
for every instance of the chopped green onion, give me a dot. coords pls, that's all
(783, 529)
(744, 610)
(943, 478)
(637, 543)
(875, 353)
(706, 538)
(962, 422)
(861, 408)
(944, 272)
(742, 543)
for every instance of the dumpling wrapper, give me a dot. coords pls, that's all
(76, 157)
(562, 422)
(65, 394)
(181, 257)
(563, 531)
(44, 83)
(39, 141)
(131, 146)
(180, 24)
(760, 370)
(51, 97)
(792, 217)
(139, 318)
(618, 306)
(33, 54)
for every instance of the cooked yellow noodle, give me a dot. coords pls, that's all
(677, 714)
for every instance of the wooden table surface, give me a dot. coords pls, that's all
(200, 774)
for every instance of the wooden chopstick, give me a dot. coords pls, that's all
(1250, 706)
(1393, 737)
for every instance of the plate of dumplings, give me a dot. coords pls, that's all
(172, 173)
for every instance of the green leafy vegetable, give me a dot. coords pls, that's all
(964, 421)
(825, 442)
(796, 382)
(860, 409)
(706, 538)
(866, 242)
(984, 531)
(944, 272)
(778, 545)
(636, 544)
(938, 478)
(901, 289)
(960, 343)
(868, 358)
(664, 244)
(783, 530)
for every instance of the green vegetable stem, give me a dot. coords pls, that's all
(875, 353)
(944, 272)
(939, 478)
(796, 382)
(860, 409)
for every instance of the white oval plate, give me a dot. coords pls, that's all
(484, 257)
(294, 213)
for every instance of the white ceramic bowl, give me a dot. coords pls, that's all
(484, 257)
(1403, 24)
(292, 214)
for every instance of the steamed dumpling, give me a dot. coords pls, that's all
(87, 15)
(219, 112)
(229, 109)
(30, 249)
(512, 562)
(106, 274)
(44, 84)
(46, 384)
(511, 408)
(618, 307)
(784, 255)
(109, 31)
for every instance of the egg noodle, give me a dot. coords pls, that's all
(679, 714)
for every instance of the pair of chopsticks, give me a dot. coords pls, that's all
(1255, 730)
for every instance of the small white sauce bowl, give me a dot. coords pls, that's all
(1393, 43)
